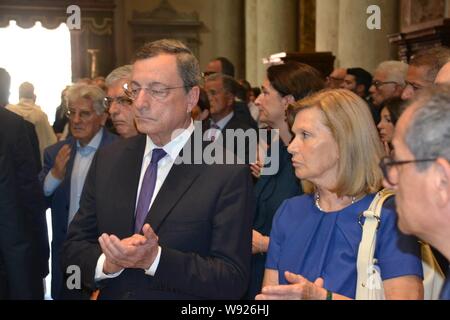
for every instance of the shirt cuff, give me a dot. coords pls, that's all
(50, 184)
(99, 274)
(152, 270)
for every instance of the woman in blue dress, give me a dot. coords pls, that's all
(284, 84)
(315, 237)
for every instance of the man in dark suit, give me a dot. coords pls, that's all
(66, 164)
(221, 90)
(20, 277)
(151, 226)
(24, 243)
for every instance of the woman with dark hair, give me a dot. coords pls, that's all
(284, 84)
(390, 113)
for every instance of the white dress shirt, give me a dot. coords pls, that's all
(173, 149)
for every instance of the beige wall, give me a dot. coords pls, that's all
(341, 29)
(222, 35)
(271, 27)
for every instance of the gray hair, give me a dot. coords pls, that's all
(230, 85)
(428, 134)
(395, 70)
(87, 91)
(120, 73)
(187, 64)
(26, 90)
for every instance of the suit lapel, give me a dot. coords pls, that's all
(128, 179)
(68, 175)
(177, 182)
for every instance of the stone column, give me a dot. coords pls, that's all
(271, 27)
(327, 26)
(228, 30)
(359, 46)
(342, 29)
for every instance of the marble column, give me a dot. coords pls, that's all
(271, 27)
(327, 26)
(342, 29)
(228, 30)
(359, 46)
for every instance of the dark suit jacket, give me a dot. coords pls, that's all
(202, 216)
(242, 112)
(31, 130)
(236, 123)
(20, 200)
(59, 201)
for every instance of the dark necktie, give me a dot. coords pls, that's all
(147, 189)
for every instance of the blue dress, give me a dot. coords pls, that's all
(270, 192)
(309, 242)
(445, 293)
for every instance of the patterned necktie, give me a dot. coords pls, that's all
(214, 131)
(147, 189)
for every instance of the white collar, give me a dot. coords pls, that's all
(173, 148)
(224, 121)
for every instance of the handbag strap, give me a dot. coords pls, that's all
(365, 260)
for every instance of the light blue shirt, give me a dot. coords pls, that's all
(224, 121)
(83, 159)
(81, 165)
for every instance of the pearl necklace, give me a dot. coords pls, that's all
(317, 196)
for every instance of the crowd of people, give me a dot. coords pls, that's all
(144, 216)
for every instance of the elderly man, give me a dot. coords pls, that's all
(118, 104)
(220, 65)
(66, 164)
(388, 82)
(152, 224)
(336, 78)
(422, 161)
(423, 69)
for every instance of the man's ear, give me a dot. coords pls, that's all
(441, 182)
(192, 98)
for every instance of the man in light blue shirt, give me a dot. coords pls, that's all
(66, 164)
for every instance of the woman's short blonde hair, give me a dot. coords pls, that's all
(349, 119)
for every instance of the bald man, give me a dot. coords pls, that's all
(443, 77)
(336, 78)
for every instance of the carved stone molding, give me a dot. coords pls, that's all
(423, 26)
(95, 33)
(166, 22)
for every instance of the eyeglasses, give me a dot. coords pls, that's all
(377, 84)
(329, 78)
(84, 115)
(414, 86)
(121, 100)
(208, 73)
(157, 91)
(388, 163)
